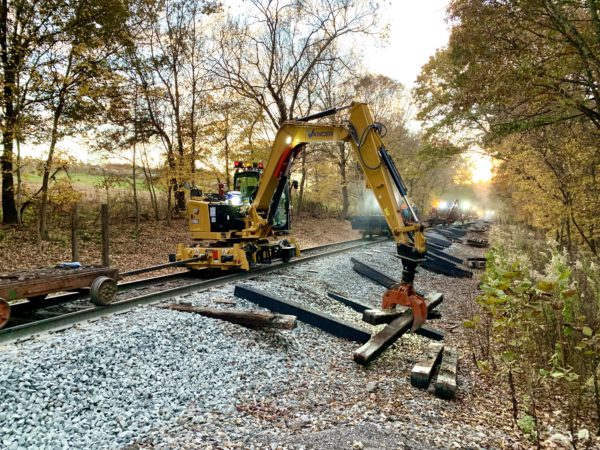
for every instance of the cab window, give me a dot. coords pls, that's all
(246, 184)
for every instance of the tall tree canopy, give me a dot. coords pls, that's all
(522, 78)
(270, 55)
(515, 65)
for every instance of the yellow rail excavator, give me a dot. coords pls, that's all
(240, 236)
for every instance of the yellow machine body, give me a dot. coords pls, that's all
(233, 231)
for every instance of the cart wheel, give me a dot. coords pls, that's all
(37, 298)
(103, 291)
(4, 312)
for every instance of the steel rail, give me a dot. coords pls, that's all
(25, 331)
(84, 293)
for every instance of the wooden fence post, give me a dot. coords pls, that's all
(105, 258)
(75, 233)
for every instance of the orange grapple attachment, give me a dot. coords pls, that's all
(404, 294)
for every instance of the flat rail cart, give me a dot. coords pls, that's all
(36, 284)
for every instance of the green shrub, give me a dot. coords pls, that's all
(540, 309)
(527, 425)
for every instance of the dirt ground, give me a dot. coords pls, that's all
(131, 249)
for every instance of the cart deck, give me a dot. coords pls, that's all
(38, 283)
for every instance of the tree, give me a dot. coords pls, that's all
(334, 87)
(168, 67)
(388, 99)
(514, 65)
(550, 175)
(129, 129)
(522, 79)
(75, 71)
(425, 175)
(233, 134)
(269, 56)
(24, 27)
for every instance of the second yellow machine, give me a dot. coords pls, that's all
(231, 236)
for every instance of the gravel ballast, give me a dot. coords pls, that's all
(155, 378)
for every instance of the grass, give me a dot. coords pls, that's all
(82, 180)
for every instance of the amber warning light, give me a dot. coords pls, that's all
(241, 165)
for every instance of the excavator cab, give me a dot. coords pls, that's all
(245, 183)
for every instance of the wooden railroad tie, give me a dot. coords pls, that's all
(304, 313)
(438, 239)
(423, 371)
(391, 333)
(445, 383)
(378, 316)
(446, 359)
(476, 263)
(433, 250)
(247, 318)
(373, 274)
(351, 303)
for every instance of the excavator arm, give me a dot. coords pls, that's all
(365, 137)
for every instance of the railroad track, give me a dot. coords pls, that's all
(187, 283)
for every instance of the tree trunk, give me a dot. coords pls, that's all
(136, 201)
(179, 198)
(344, 182)
(106, 180)
(150, 185)
(177, 166)
(9, 207)
(227, 174)
(42, 223)
(43, 226)
(302, 182)
(169, 205)
(19, 197)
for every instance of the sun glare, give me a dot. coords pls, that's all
(481, 167)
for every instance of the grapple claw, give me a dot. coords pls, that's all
(405, 295)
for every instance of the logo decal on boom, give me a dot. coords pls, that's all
(316, 133)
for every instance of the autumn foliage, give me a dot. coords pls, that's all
(520, 80)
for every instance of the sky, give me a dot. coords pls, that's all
(417, 30)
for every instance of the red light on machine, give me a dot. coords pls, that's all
(237, 164)
(261, 165)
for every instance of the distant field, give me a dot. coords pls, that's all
(81, 180)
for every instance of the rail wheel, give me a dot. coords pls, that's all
(4, 312)
(103, 291)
